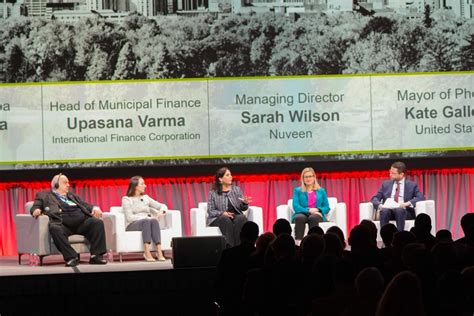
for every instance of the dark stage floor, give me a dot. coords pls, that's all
(113, 289)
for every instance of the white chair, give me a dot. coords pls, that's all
(199, 219)
(337, 215)
(366, 211)
(121, 241)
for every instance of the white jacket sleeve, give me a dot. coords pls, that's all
(157, 205)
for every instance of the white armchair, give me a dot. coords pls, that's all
(366, 211)
(337, 215)
(199, 218)
(121, 241)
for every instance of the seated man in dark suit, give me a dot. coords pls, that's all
(69, 214)
(401, 191)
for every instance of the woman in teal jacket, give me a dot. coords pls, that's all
(310, 203)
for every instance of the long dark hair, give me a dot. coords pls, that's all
(219, 174)
(132, 184)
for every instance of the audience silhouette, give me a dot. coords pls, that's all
(282, 226)
(415, 273)
(232, 271)
(393, 301)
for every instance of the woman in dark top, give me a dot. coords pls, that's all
(226, 205)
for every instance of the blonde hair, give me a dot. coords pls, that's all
(315, 186)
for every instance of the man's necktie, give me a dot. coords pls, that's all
(397, 192)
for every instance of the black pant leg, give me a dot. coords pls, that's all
(239, 221)
(226, 226)
(300, 225)
(60, 234)
(314, 220)
(93, 229)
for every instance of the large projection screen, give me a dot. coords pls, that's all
(199, 121)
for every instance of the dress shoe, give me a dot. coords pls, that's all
(97, 260)
(72, 262)
(160, 256)
(149, 259)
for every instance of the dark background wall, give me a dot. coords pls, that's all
(240, 168)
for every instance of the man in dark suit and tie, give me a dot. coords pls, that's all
(69, 214)
(402, 191)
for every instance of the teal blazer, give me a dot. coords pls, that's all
(300, 202)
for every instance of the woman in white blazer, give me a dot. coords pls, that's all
(142, 213)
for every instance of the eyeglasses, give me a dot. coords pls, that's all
(308, 177)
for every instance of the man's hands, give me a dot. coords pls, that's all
(96, 212)
(36, 213)
(405, 204)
